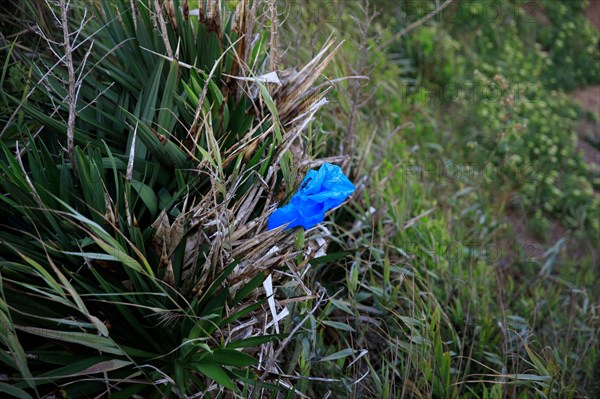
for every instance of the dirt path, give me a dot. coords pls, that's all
(593, 12)
(589, 98)
(589, 131)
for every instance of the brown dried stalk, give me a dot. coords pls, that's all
(72, 99)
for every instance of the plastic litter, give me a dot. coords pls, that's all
(319, 192)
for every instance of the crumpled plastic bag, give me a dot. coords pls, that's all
(319, 192)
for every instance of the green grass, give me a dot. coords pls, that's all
(464, 266)
(456, 305)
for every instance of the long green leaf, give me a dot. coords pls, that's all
(103, 344)
(255, 341)
(231, 357)
(338, 355)
(14, 391)
(216, 373)
(8, 337)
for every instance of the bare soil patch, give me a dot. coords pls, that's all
(593, 12)
(589, 131)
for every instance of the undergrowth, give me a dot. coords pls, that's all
(459, 125)
(455, 132)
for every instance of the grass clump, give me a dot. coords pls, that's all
(138, 164)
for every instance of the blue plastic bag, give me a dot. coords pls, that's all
(319, 192)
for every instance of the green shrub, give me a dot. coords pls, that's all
(572, 43)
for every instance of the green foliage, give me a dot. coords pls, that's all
(531, 134)
(134, 267)
(450, 302)
(524, 41)
(154, 270)
(500, 76)
(572, 43)
(437, 53)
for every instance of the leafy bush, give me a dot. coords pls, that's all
(534, 145)
(500, 77)
(572, 43)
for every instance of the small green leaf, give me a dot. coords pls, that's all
(338, 355)
(338, 325)
(217, 282)
(231, 357)
(147, 195)
(329, 258)
(272, 109)
(255, 341)
(244, 311)
(342, 305)
(216, 373)
(532, 377)
(250, 287)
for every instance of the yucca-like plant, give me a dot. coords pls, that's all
(135, 186)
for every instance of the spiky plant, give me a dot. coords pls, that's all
(137, 169)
